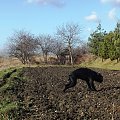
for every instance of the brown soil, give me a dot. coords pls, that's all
(42, 97)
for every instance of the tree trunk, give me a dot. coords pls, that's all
(70, 55)
(45, 57)
(58, 58)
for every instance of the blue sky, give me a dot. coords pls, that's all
(43, 16)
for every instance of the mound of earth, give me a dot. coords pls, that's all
(41, 96)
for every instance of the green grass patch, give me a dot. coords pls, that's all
(7, 97)
(5, 71)
(7, 106)
(9, 83)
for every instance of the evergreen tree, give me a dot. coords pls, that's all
(108, 40)
(105, 45)
(103, 48)
(95, 40)
(117, 41)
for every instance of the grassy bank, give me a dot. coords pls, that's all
(107, 64)
(8, 100)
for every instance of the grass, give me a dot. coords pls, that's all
(6, 106)
(107, 64)
(6, 102)
(9, 82)
(97, 63)
(2, 72)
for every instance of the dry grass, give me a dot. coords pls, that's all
(89, 61)
(9, 62)
(107, 64)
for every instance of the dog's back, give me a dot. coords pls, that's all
(83, 73)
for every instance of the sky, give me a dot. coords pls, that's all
(44, 16)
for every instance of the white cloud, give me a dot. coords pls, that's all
(112, 14)
(57, 3)
(93, 17)
(115, 3)
(29, 1)
(90, 30)
(106, 1)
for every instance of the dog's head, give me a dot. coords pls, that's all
(99, 78)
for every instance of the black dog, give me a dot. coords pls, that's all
(85, 74)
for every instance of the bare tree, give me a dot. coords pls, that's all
(79, 52)
(22, 45)
(46, 43)
(57, 48)
(69, 33)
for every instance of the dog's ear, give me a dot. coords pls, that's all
(98, 74)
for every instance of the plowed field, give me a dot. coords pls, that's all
(41, 96)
